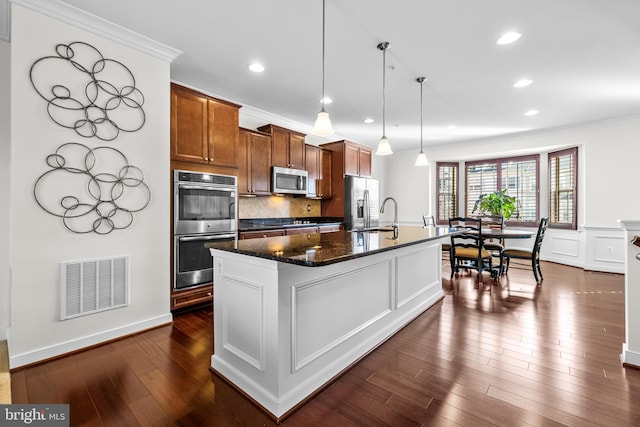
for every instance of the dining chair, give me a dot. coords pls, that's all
(467, 251)
(532, 254)
(496, 246)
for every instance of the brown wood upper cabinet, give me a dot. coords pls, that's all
(319, 169)
(350, 158)
(287, 147)
(203, 129)
(254, 169)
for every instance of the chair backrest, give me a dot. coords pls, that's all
(542, 229)
(492, 221)
(471, 237)
(428, 220)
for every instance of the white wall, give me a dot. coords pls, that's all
(608, 150)
(39, 241)
(5, 135)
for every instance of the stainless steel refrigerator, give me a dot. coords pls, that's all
(361, 202)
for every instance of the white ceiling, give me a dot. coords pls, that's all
(582, 55)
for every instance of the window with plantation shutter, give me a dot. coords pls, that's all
(563, 180)
(518, 175)
(446, 191)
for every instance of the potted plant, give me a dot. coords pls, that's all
(496, 203)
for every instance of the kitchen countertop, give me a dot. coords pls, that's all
(276, 223)
(315, 250)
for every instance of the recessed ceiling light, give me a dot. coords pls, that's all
(509, 37)
(368, 120)
(326, 100)
(256, 67)
(531, 113)
(451, 128)
(522, 83)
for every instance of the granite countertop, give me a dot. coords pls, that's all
(315, 250)
(276, 223)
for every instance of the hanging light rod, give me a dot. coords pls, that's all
(384, 148)
(421, 160)
(323, 125)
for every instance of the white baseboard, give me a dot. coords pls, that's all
(630, 357)
(45, 353)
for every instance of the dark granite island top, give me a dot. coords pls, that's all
(315, 250)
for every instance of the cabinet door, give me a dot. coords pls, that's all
(313, 169)
(189, 121)
(325, 189)
(223, 134)
(260, 163)
(280, 148)
(364, 162)
(296, 151)
(351, 159)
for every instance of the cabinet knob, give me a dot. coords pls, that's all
(206, 159)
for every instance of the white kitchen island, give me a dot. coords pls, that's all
(291, 313)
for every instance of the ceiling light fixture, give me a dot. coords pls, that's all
(256, 68)
(384, 148)
(508, 38)
(522, 83)
(421, 160)
(323, 123)
(326, 100)
(368, 120)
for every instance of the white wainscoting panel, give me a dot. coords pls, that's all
(324, 314)
(243, 325)
(605, 249)
(411, 282)
(565, 246)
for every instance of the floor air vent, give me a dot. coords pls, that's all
(91, 286)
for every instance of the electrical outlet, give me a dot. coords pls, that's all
(609, 249)
(308, 208)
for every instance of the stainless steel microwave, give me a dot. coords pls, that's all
(289, 181)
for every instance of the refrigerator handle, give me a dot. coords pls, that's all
(367, 212)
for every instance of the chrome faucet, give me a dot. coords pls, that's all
(395, 215)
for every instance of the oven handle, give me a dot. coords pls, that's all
(206, 187)
(216, 237)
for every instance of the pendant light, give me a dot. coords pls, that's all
(384, 148)
(323, 123)
(421, 160)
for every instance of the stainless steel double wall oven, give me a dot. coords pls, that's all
(205, 208)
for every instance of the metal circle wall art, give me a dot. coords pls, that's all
(93, 95)
(92, 190)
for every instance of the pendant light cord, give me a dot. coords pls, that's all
(421, 113)
(384, 68)
(323, 12)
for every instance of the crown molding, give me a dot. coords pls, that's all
(79, 18)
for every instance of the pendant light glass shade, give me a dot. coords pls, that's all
(384, 148)
(323, 125)
(421, 160)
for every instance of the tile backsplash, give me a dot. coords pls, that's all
(277, 207)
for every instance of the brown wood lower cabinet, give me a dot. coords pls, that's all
(261, 233)
(191, 297)
(301, 230)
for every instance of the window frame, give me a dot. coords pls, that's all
(498, 162)
(574, 221)
(456, 190)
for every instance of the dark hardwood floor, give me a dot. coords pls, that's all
(517, 356)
